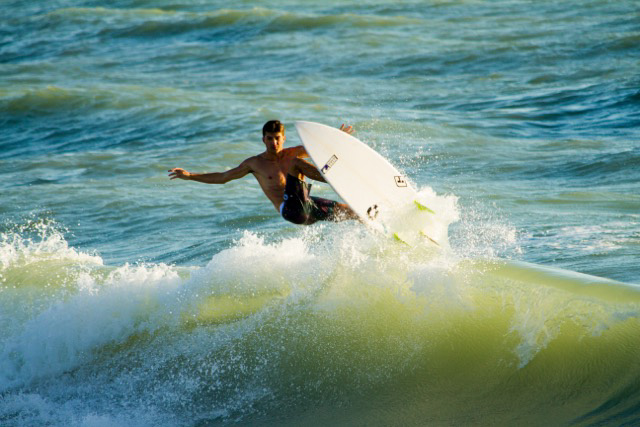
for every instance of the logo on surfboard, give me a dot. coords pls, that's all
(400, 181)
(332, 161)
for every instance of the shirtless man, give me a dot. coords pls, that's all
(280, 173)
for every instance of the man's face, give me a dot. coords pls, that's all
(274, 141)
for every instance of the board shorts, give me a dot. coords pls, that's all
(299, 208)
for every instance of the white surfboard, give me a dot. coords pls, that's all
(365, 180)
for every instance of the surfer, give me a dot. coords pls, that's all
(280, 172)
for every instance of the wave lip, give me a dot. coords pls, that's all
(333, 317)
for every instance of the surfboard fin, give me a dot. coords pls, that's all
(422, 207)
(398, 239)
(423, 234)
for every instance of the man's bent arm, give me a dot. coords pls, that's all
(306, 168)
(300, 151)
(214, 177)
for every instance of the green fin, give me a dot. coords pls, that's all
(398, 239)
(423, 207)
(422, 233)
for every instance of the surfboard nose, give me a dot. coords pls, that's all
(306, 128)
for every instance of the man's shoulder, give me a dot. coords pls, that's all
(285, 152)
(297, 151)
(296, 148)
(256, 162)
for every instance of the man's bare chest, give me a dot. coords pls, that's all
(272, 172)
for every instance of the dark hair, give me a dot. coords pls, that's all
(273, 126)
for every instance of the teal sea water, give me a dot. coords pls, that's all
(127, 299)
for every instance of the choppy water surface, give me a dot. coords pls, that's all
(129, 299)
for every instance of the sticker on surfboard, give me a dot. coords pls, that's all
(400, 181)
(332, 161)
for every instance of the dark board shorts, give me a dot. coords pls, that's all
(299, 208)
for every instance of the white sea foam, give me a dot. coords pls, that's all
(38, 241)
(260, 302)
(130, 300)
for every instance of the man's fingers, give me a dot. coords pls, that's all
(347, 129)
(175, 173)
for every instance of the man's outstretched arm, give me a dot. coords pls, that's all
(212, 178)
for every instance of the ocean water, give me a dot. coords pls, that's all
(127, 299)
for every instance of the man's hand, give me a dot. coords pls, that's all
(347, 129)
(179, 173)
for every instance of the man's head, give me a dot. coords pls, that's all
(273, 126)
(273, 135)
